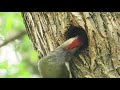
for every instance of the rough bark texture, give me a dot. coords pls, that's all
(101, 60)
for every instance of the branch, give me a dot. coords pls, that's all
(19, 35)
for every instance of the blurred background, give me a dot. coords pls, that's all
(18, 59)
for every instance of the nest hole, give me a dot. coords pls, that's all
(77, 31)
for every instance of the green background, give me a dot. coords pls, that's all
(18, 59)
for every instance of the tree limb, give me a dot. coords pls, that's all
(19, 35)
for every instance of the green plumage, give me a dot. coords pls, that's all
(52, 70)
(53, 65)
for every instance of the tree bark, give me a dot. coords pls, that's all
(47, 30)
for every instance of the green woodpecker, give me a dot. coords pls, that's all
(54, 64)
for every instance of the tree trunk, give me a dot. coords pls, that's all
(101, 59)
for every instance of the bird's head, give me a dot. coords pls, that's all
(72, 44)
(75, 44)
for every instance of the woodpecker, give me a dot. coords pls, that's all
(53, 65)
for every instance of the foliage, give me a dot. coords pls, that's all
(17, 59)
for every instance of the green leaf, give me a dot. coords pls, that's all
(34, 56)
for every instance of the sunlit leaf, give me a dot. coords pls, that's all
(34, 56)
